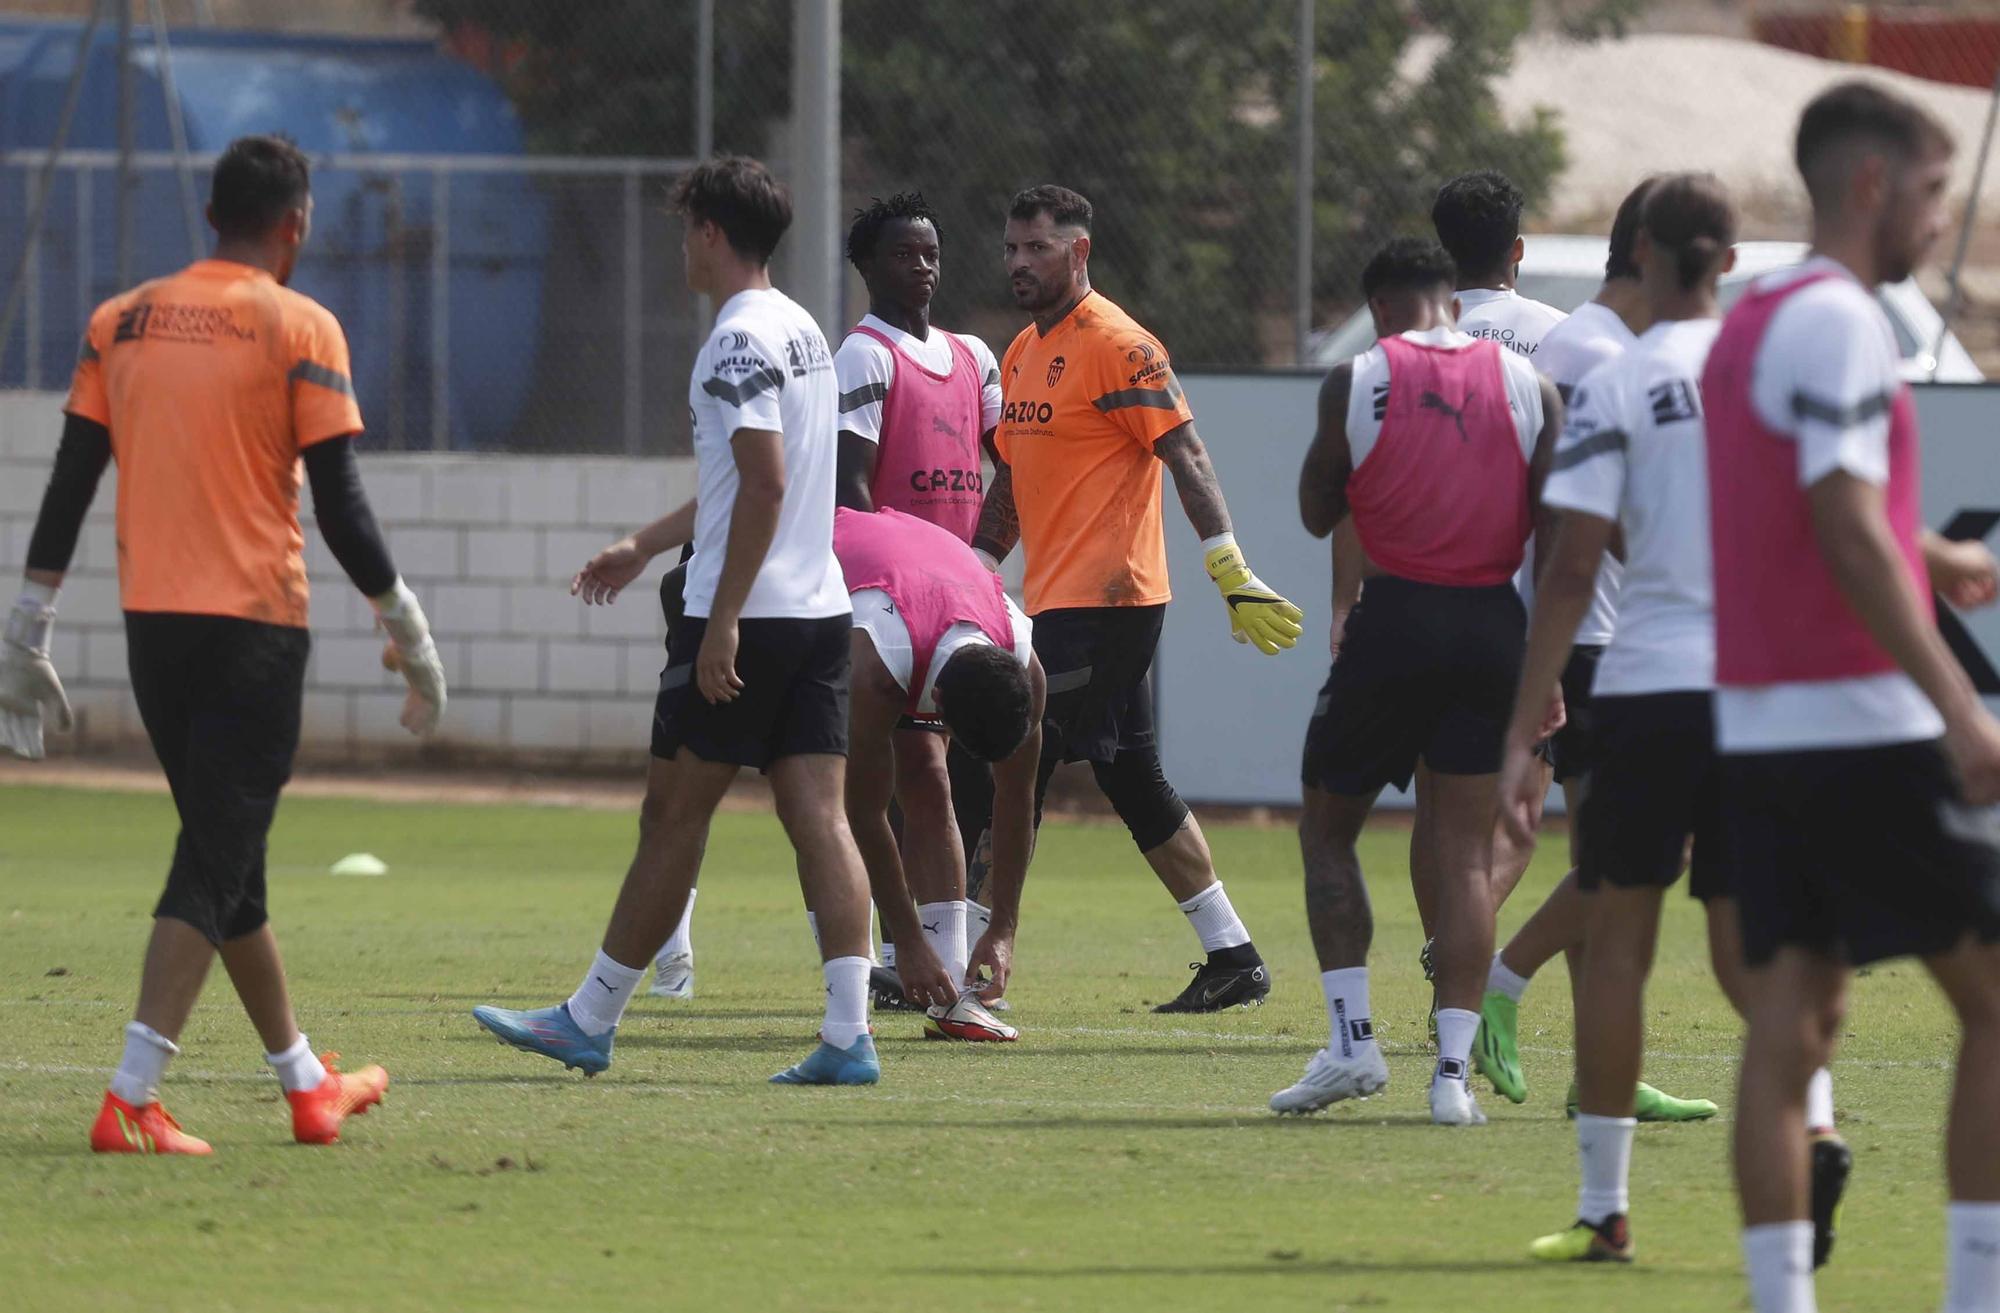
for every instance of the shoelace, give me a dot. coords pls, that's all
(329, 1060)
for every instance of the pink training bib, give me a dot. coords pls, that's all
(928, 463)
(934, 580)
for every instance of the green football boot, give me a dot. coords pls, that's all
(1495, 1050)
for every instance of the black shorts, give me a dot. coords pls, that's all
(1424, 672)
(1657, 783)
(793, 701)
(1568, 750)
(1099, 662)
(220, 699)
(1861, 853)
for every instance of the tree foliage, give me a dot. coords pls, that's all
(1175, 117)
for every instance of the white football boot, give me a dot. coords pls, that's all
(967, 1019)
(1330, 1078)
(1452, 1103)
(673, 976)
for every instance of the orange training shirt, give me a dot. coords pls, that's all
(212, 381)
(1083, 406)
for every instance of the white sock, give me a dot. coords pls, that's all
(298, 1067)
(682, 939)
(1779, 1257)
(944, 930)
(1215, 920)
(1972, 1259)
(1456, 1027)
(888, 954)
(812, 924)
(600, 1000)
(1350, 1030)
(1506, 980)
(147, 1052)
(977, 918)
(1819, 1101)
(1604, 1155)
(846, 1000)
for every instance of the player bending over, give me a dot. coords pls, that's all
(208, 387)
(1858, 764)
(1426, 438)
(757, 667)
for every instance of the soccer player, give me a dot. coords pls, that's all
(1478, 221)
(1093, 411)
(1427, 440)
(207, 387)
(1630, 463)
(1858, 762)
(757, 667)
(916, 402)
(1601, 330)
(937, 639)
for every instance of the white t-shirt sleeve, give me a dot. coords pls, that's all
(1827, 375)
(863, 369)
(989, 380)
(1588, 472)
(745, 374)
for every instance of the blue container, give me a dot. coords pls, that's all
(370, 256)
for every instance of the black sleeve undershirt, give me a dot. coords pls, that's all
(80, 462)
(345, 520)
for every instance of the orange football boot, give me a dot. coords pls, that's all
(122, 1128)
(317, 1114)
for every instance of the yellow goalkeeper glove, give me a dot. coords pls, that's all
(1256, 614)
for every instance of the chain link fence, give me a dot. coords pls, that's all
(491, 183)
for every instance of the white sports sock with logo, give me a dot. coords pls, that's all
(600, 1000)
(1604, 1157)
(977, 919)
(1506, 980)
(1819, 1101)
(1215, 920)
(682, 939)
(846, 1000)
(1456, 1027)
(1349, 1024)
(298, 1067)
(943, 925)
(1779, 1257)
(147, 1053)
(1972, 1258)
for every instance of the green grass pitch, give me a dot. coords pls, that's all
(1110, 1160)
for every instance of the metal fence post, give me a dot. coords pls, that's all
(634, 273)
(86, 294)
(31, 318)
(1302, 185)
(440, 310)
(816, 132)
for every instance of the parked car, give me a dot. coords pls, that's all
(1566, 271)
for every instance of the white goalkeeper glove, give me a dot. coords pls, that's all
(1256, 613)
(29, 688)
(412, 652)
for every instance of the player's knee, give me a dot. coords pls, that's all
(217, 912)
(1326, 828)
(1138, 791)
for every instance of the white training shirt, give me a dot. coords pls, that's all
(1826, 375)
(864, 369)
(876, 616)
(1368, 396)
(1590, 337)
(766, 366)
(1634, 452)
(1505, 316)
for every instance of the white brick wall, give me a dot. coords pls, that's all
(488, 543)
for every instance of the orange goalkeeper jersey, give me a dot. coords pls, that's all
(1083, 405)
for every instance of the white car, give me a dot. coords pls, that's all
(1567, 271)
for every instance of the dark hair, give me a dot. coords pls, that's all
(256, 182)
(1477, 217)
(1407, 264)
(738, 195)
(1690, 215)
(1618, 261)
(1861, 111)
(1067, 208)
(869, 222)
(985, 702)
